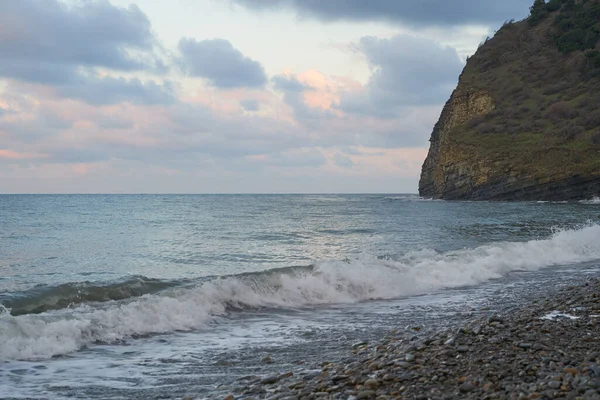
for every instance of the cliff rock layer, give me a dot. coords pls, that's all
(524, 121)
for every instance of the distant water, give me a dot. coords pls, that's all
(112, 296)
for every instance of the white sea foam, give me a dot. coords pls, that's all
(595, 200)
(557, 314)
(39, 336)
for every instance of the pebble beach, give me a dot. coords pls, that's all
(549, 349)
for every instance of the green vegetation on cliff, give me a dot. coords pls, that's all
(541, 78)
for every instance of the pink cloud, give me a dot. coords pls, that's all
(13, 155)
(80, 168)
(228, 101)
(325, 93)
(206, 133)
(401, 162)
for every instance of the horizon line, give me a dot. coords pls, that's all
(207, 194)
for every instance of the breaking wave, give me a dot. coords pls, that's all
(174, 307)
(44, 298)
(595, 200)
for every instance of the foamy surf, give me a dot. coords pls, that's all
(595, 200)
(41, 336)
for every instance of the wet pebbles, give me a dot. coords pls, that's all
(547, 350)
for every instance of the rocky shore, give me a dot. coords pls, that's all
(549, 349)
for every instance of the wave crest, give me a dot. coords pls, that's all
(46, 298)
(594, 200)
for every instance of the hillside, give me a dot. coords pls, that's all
(524, 120)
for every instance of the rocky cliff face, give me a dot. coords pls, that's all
(524, 121)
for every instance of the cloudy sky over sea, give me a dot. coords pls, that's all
(210, 96)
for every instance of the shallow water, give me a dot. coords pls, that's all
(166, 295)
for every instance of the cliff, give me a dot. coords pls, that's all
(524, 120)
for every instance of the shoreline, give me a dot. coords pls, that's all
(547, 349)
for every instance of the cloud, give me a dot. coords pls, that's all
(407, 71)
(11, 155)
(99, 90)
(250, 105)
(294, 158)
(36, 72)
(201, 130)
(191, 141)
(108, 90)
(47, 41)
(220, 63)
(294, 93)
(351, 151)
(410, 12)
(75, 155)
(343, 160)
(64, 45)
(319, 106)
(32, 126)
(289, 84)
(84, 103)
(112, 121)
(342, 112)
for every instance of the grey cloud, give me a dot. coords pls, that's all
(197, 129)
(350, 151)
(44, 125)
(342, 161)
(297, 158)
(36, 72)
(219, 62)
(411, 12)
(61, 44)
(293, 95)
(113, 122)
(407, 71)
(289, 84)
(45, 40)
(76, 155)
(87, 86)
(332, 129)
(107, 90)
(191, 119)
(250, 105)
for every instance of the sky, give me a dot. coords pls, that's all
(229, 96)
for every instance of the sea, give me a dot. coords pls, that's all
(167, 296)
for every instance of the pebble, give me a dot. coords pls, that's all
(286, 375)
(512, 354)
(554, 384)
(372, 383)
(467, 387)
(270, 380)
(572, 371)
(312, 375)
(365, 394)
(374, 366)
(337, 378)
(267, 360)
